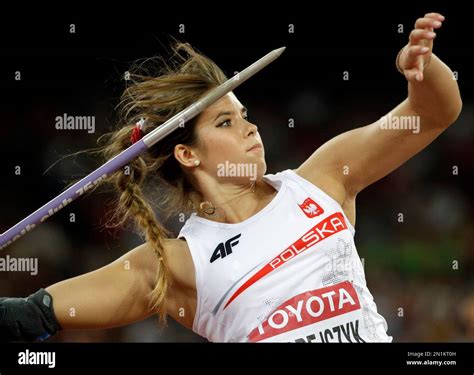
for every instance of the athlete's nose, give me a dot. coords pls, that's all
(251, 129)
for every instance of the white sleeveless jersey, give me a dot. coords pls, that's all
(289, 273)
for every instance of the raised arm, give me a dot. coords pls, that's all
(348, 163)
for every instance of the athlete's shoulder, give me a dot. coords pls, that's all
(177, 257)
(179, 261)
(278, 177)
(173, 248)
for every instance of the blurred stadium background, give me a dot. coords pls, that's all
(410, 267)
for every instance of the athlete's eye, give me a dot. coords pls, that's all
(224, 123)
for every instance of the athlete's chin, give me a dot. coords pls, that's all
(258, 158)
(242, 170)
(261, 170)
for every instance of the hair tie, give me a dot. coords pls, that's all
(137, 132)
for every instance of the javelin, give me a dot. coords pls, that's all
(118, 161)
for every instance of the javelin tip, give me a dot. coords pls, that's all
(279, 51)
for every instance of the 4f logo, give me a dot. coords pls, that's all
(225, 248)
(311, 208)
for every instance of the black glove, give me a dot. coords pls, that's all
(28, 319)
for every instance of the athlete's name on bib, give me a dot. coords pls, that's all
(308, 308)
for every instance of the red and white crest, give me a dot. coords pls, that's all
(311, 208)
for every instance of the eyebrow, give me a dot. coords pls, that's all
(228, 113)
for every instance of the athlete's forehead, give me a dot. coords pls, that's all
(229, 104)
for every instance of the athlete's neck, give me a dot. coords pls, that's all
(235, 203)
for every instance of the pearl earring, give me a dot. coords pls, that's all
(197, 162)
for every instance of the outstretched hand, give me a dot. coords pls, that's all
(415, 56)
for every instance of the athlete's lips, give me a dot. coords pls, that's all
(255, 146)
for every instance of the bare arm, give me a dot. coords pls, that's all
(114, 295)
(353, 160)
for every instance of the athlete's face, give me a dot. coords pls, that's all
(226, 137)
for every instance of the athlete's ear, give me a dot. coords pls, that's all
(185, 155)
